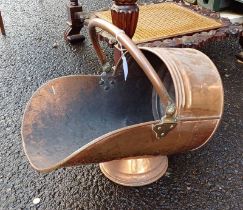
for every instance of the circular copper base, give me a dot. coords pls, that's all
(135, 171)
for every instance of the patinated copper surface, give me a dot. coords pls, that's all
(2, 25)
(81, 119)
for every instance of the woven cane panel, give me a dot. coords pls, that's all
(157, 21)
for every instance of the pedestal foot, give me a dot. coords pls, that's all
(135, 171)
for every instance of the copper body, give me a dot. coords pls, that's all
(77, 120)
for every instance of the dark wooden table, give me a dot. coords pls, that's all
(122, 10)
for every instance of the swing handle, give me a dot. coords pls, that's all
(134, 51)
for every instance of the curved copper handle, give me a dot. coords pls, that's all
(133, 50)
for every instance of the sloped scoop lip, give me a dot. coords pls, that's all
(50, 121)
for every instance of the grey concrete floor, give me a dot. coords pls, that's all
(209, 178)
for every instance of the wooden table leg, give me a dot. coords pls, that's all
(75, 22)
(2, 25)
(124, 15)
(240, 55)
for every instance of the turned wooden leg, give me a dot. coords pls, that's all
(75, 22)
(124, 15)
(2, 25)
(241, 40)
(240, 55)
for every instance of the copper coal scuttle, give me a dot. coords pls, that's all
(170, 102)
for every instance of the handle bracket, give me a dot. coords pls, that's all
(167, 123)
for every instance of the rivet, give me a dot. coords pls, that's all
(170, 110)
(101, 82)
(106, 88)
